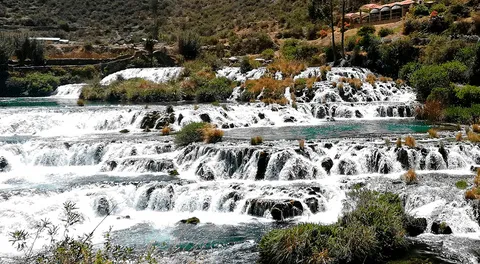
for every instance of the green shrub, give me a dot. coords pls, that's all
(366, 30)
(457, 71)
(189, 45)
(252, 43)
(407, 70)
(190, 133)
(268, 54)
(420, 10)
(297, 50)
(440, 8)
(428, 77)
(372, 233)
(217, 89)
(441, 49)
(245, 65)
(256, 141)
(33, 84)
(133, 90)
(467, 94)
(397, 54)
(383, 32)
(462, 185)
(443, 95)
(462, 115)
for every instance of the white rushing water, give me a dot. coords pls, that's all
(158, 75)
(51, 155)
(69, 91)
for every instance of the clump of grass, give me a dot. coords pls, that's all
(459, 136)
(410, 177)
(371, 79)
(462, 185)
(166, 130)
(383, 79)
(399, 143)
(334, 84)
(211, 134)
(256, 140)
(476, 180)
(195, 107)
(216, 103)
(301, 144)
(410, 141)
(472, 194)
(340, 86)
(433, 133)
(473, 137)
(80, 102)
(124, 131)
(355, 82)
(476, 128)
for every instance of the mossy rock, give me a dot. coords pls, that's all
(191, 221)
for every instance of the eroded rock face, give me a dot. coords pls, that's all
(157, 120)
(441, 228)
(279, 209)
(415, 226)
(140, 165)
(347, 167)
(102, 206)
(327, 164)
(4, 165)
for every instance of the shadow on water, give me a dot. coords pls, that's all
(338, 129)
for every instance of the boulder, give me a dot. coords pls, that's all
(102, 206)
(190, 221)
(415, 226)
(205, 173)
(347, 167)
(4, 165)
(312, 204)
(441, 228)
(321, 112)
(205, 118)
(278, 209)
(327, 164)
(165, 120)
(180, 118)
(358, 114)
(402, 157)
(289, 119)
(149, 120)
(261, 115)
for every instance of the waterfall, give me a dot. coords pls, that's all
(157, 75)
(69, 91)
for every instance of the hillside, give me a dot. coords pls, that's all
(130, 19)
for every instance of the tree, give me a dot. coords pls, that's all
(343, 28)
(149, 47)
(475, 75)
(154, 9)
(322, 10)
(189, 45)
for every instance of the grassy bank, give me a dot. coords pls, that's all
(373, 232)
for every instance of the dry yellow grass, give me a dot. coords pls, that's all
(355, 82)
(256, 140)
(371, 79)
(473, 137)
(410, 141)
(340, 86)
(433, 133)
(166, 130)
(211, 134)
(399, 143)
(476, 128)
(289, 68)
(476, 180)
(471, 194)
(459, 136)
(301, 144)
(410, 177)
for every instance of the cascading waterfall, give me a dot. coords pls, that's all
(69, 91)
(50, 155)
